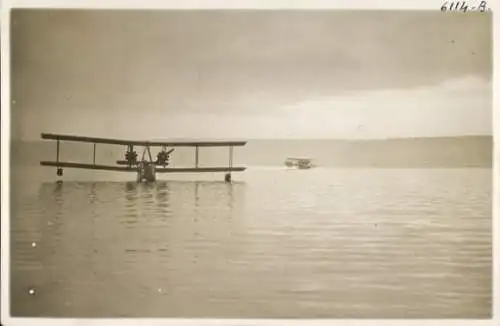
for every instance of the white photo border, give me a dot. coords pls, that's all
(433, 5)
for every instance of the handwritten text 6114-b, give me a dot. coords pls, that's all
(464, 6)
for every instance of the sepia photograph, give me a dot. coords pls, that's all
(251, 164)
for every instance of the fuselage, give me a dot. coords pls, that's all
(146, 171)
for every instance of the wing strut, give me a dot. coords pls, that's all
(59, 168)
(57, 151)
(230, 156)
(227, 177)
(196, 157)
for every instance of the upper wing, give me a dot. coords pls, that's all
(142, 143)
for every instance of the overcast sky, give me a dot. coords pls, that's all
(251, 74)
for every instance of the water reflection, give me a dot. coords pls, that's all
(131, 214)
(230, 196)
(92, 193)
(211, 249)
(216, 191)
(197, 195)
(163, 197)
(53, 194)
(131, 190)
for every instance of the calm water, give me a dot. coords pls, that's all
(276, 243)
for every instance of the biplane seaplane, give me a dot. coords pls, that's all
(146, 167)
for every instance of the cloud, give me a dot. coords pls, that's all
(466, 83)
(460, 106)
(454, 107)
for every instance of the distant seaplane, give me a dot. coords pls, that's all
(299, 163)
(146, 168)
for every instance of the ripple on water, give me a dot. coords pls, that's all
(330, 244)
